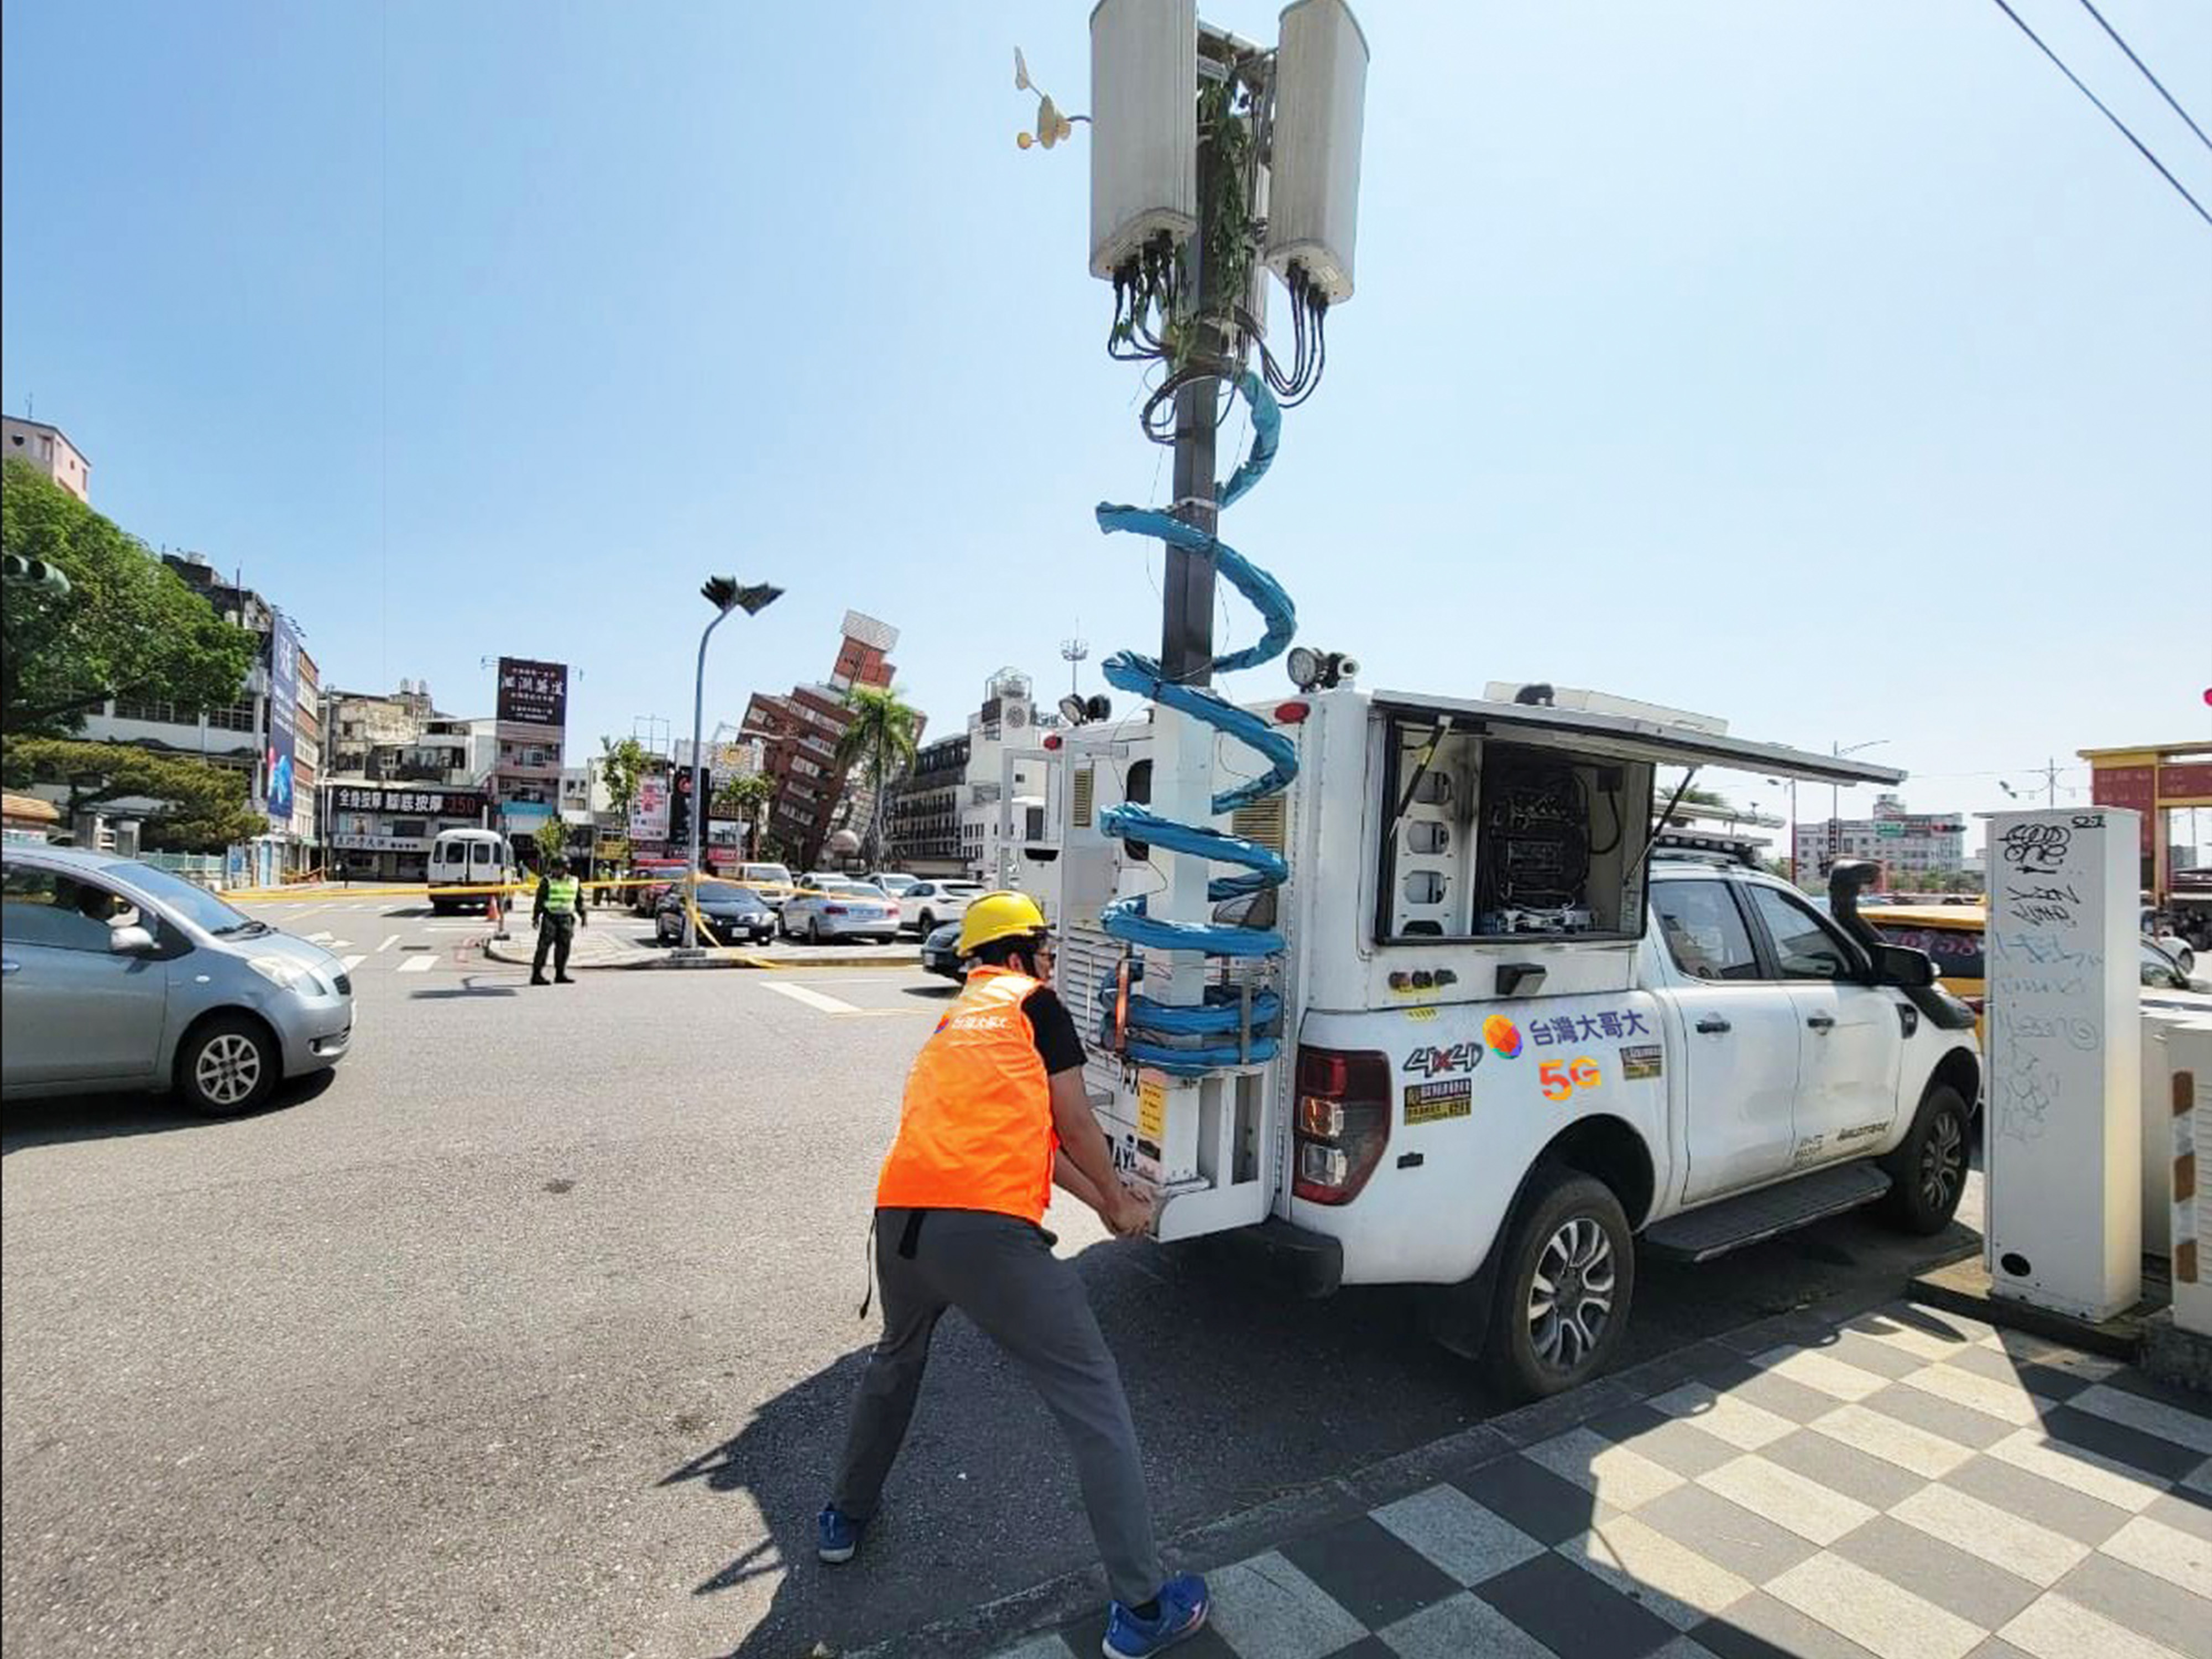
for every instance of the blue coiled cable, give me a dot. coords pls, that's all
(1159, 1034)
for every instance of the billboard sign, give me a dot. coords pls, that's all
(283, 718)
(648, 812)
(533, 693)
(411, 803)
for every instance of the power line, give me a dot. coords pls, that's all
(2147, 76)
(2108, 115)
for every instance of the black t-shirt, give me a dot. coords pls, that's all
(1057, 1043)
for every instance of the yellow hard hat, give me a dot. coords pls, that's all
(997, 916)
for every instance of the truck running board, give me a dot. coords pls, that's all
(1702, 1234)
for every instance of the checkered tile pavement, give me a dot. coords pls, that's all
(1908, 1485)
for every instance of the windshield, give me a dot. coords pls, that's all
(852, 890)
(195, 904)
(774, 872)
(723, 892)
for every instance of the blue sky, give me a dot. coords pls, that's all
(1835, 370)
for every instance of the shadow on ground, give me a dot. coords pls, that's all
(69, 1118)
(1244, 1396)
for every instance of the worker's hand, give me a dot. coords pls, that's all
(1128, 1213)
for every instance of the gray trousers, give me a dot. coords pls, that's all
(1001, 1272)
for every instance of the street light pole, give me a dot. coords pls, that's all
(725, 596)
(1836, 796)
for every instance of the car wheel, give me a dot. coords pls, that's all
(1928, 1170)
(227, 1066)
(814, 930)
(928, 923)
(1565, 1284)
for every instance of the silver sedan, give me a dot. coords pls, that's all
(114, 974)
(840, 910)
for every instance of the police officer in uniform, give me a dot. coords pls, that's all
(556, 915)
(995, 1113)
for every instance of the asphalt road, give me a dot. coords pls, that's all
(533, 1331)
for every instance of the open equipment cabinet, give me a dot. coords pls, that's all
(1495, 839)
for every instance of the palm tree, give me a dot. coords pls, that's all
(880, 740)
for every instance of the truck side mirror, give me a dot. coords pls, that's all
(1903, 967)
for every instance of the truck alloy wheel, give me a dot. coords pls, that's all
(1928, 1170)
(1567, 1277)
(1570, 1297)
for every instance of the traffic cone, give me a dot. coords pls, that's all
(498, 917)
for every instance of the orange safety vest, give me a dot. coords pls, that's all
(975, 1130)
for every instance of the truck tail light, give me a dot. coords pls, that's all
(1342, 1123)
(1976, 1004)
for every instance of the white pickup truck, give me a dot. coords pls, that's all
(1508, 1030)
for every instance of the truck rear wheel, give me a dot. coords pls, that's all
(1565, 1280)
(1928, 1170)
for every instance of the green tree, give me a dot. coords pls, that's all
(552, 838)
(198, 808)
(622, 764)
(129, 627)
(745, 797)
(880, 741)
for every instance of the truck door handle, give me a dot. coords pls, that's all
(1821, 1021)
(1714, 1024)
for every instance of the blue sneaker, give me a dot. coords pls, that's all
(837, 1535)
(1182, 1610)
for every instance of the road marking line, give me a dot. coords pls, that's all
(810, 998)
(351, 962)
(319, 939)
(418, 964)
(390, 941)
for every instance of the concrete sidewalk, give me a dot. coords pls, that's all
(1904, 1483)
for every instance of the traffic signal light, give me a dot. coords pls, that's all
(21, 572)
(679, 808)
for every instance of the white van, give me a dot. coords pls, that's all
(467, 858)
(1491, 1036)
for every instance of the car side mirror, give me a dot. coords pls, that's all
(1903, 967)
(129, 941)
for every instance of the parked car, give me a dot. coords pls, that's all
(653, 882)
(2158, 931)
(940, 953)
(771, 883)
(842, 909)
(927, 903)
(894, 882)
(118, 976)
(728, 915)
